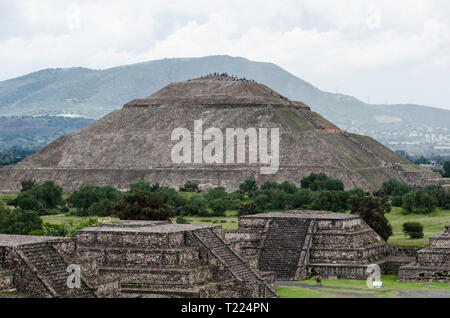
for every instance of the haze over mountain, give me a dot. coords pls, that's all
(94, 93)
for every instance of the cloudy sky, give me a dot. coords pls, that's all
(392, 51)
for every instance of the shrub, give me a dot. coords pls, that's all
(54, 229)
(413, 229)
(181, 220)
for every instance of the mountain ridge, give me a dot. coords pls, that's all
(94, 93)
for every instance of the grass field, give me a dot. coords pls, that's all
(432, 224)
(358, 288)
(228, 222)
(75, 223)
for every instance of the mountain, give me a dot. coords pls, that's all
(94, 93)
(141, 141)
(33, 133)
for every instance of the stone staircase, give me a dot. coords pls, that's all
(52, 270)
(283, 246)
(236, 265)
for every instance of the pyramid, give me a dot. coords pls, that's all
(136, 143)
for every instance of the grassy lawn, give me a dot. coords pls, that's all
(228, 222)
(75, 223)
(299, 292)
(357, 288)
(433, 224)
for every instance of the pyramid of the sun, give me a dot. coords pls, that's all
(135, 143)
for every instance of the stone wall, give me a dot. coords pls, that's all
(337, 240)
(432, 263)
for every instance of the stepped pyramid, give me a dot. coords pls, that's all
(432, 263)
(296, 244)
(134, 143)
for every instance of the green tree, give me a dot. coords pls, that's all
(372, 210)
(19, 221)
(288, 187)
(142, 205)
(144, 186)
(190, 186)
(198, 205)
(302, 199)
(218, 206)
(409, 203)
(321, 181)
(248, 208)
(87, 195)
(104, 207)
(394, 187)
(216, 193)
(28, 201)
(27, 184)
(336, 201)
(269, 186)
(248, 187)
(447, 169)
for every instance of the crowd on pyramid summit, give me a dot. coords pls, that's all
(226, 77)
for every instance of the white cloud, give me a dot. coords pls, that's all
(348, 43)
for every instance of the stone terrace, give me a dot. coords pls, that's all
(304, 242)
(152, 259)
(37, 266)
(432, 263)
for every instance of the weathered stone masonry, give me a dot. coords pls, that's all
(432, 263)
(297, 243)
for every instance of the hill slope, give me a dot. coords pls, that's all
(93, 94)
